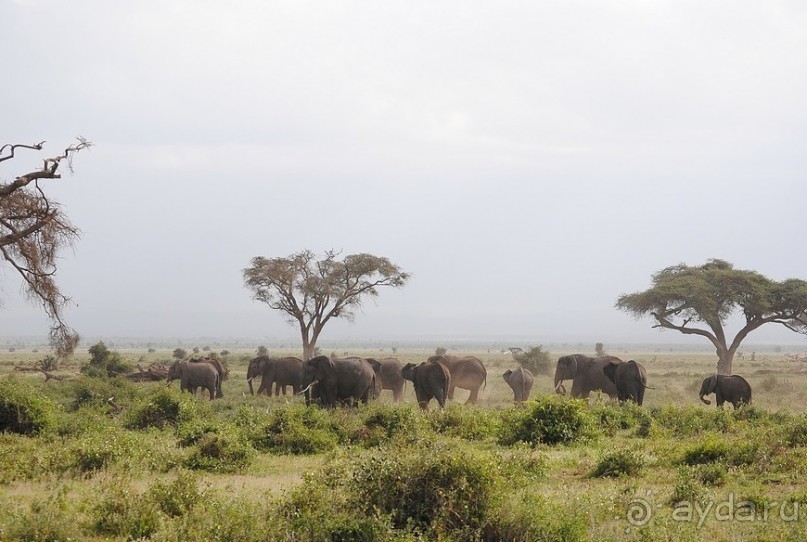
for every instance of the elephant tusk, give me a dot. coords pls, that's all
(311, 385)
(560, 388)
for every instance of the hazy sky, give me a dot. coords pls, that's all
(527, 162)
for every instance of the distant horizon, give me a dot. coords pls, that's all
(498, 342)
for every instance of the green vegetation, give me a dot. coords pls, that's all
(158, 464)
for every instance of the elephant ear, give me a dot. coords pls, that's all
(326, 368)
(610, 371)
(571, 366)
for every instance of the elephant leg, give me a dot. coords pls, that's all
(397, 394)
(451, 392)
(473, 396)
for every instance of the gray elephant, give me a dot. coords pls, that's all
(630, 380)
(520, 380)
(467, 372)
(586, 374)
(219, 368)
(391, 378)
(194, 375)
(432, 380)
(343, 381)
(388, 375)
(282, 372)
(732, 388)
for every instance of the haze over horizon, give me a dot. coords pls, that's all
(528, 163)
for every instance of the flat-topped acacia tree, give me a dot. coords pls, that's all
(312, 291)
(683, 296)
(33, 229)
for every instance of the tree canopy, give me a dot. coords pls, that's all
(698, 300)
(312, 291)
(33, 229)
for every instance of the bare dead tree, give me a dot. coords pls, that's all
(33, 229)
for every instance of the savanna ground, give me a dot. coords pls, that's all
(161, 465)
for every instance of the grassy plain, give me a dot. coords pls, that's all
(682, 470)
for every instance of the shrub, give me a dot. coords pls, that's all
(529, 516)
(688, 488)
(123, 512)
(225, 451)
(711, 474)
(796, 433)
(536, 360)
(393, 421)
(48, 518)
(466, 422)
(292, 430)
(165, 407)
(548, 420)
(23, 408)
(435, 489)
(618, 463)
(97, 450)
(104, 362)
(710, 450)
(177, 497)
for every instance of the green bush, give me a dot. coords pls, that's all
(548, 420)
(710, 450)
(468, 423)
(224, 451)
(315, 512)
(47, 518)
(688, 487)
(123, 512)
(177, 497)
(711, 474)
(537, 360)
(434, 489)
(390, 422)
(618, 463)
(528, 516)
(290, 430)
(24, 409)
(796, 433)
(163, 408)
(105, 363)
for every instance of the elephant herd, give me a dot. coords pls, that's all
(329, 381)
(627, 380)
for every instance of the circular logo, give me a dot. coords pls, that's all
(640, 512)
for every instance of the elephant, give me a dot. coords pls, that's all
(467, 373)
(194, 375)
(732, 388)
(219, 368)
(388, 376)
(282, 372)
(520, 380)
(586, 373)
(432, 380)
(343, 381)
(630, 380)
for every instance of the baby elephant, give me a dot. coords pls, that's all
(732, 388)
(520, 381)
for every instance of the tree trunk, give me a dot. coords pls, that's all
(724, 359)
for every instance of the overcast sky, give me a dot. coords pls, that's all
(528, 162)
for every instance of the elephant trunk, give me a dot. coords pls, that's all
(249, 381)
(311, 385)
(705, 400)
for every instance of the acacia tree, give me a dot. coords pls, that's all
(683, 296)
(312, 291)
(33, 229)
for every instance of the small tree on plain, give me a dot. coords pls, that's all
(179, 353)
(535, 359)
(263, 351)
(599, 348)
(440, 351)
(682, 296)
(313, 291)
